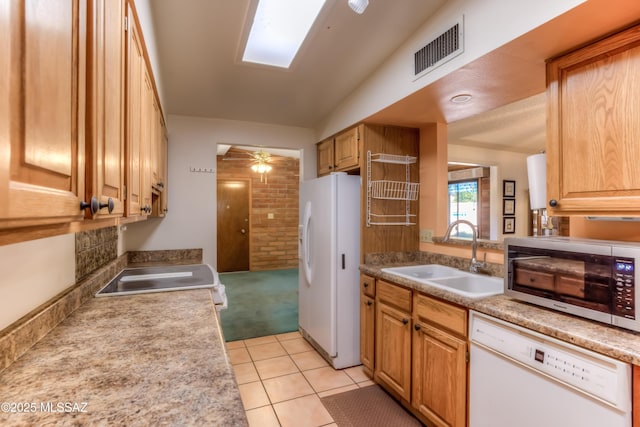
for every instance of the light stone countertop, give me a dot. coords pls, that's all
(609, 340)
(139, 360)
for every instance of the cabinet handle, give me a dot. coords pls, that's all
(416, 327)
(405, 321)
(146, 209)
(553, 203)
(93, 205)
(366, 285)
(369, 302)
(109, 205)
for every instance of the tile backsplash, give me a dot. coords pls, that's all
(94, 249)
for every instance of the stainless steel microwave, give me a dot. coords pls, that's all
(594, 279)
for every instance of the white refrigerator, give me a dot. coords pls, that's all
(329, 252)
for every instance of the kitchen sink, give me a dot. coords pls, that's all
(426, 271)
(471, 285)
(451, 279)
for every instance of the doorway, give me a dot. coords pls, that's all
(233, 225)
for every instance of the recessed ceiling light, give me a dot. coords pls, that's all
(461, 98)
(278, 30)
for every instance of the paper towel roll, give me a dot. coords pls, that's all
(537, 173)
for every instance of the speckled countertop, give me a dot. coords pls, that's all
(148, 359)
(615, 342)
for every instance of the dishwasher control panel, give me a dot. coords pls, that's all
(590, 372)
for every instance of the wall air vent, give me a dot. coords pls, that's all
(441, 49)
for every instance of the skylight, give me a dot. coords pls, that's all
(278, 30)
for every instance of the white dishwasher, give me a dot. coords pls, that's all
(518, 377)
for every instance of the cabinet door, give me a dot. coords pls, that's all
(393, 349)
(440, 376)
(346, 150)
(42, 148)
(367, 333)
(105, 107)
(135, 76)
(155, 144)
(159, 169)
(163, 156)
(593, 135)
(325, 157)
(147, 144)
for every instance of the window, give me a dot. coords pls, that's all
(278, 29)
(463, 204)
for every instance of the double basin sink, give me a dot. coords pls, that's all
(450, 279)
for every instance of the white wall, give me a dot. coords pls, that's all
(191, 217)
(32, 273)
(488, 25)
(506, 165)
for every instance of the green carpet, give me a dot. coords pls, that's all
(260, 303)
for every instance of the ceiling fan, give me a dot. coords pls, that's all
(260, 161)
(261, 164)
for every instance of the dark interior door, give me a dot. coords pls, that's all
(233, 225)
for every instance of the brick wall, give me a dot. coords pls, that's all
(274, 242)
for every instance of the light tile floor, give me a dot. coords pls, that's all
(282, 378)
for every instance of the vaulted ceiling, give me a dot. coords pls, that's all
(200, 42)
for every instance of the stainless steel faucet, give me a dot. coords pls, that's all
(475, 265)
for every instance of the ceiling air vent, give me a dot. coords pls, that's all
(441, 49)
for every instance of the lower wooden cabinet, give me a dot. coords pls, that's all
(367, 322)
(393, 349)
(421, 351)
(439, 365)
(439, 372)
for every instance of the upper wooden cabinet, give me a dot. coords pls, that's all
(325, 157)
(158, 159)
(63, 157)
(593, 135)
(145, 133)
(340, 153)
(42, 110)
(135, 75)
(105, 107)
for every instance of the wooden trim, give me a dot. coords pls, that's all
(17, 235)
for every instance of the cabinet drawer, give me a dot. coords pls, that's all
(368, 285)
(394, 295)
(440, 313)
(534, 279)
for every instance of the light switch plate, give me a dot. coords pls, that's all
(426, 236)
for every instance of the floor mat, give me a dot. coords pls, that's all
(368, 407)
(260, 303)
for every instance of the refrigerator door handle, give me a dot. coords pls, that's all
(343, 262)
(306, 245)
